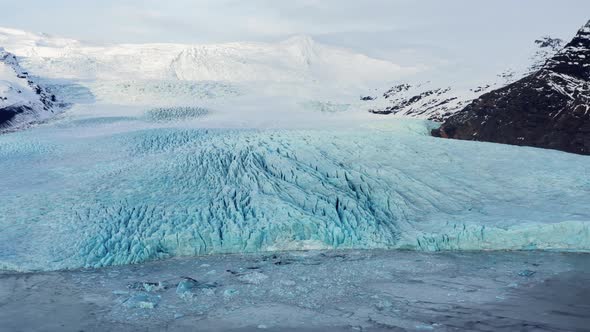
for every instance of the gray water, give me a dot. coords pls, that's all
(309, 291)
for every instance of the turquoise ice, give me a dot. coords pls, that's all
(70, 199)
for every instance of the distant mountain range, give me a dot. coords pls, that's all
(290, 72)
(298, 59)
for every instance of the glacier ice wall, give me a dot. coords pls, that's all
(157, 193)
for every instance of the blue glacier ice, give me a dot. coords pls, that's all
(70, 198)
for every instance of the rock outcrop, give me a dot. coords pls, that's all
(22, 99)
(425, 101)
(548, 109)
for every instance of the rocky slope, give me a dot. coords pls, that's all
(549, 108)
(22, 99)
(426, 100)
(437, 101)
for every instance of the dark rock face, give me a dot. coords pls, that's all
(8, 113)
(548, 109)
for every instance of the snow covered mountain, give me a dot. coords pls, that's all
(549, 108)
(22, 99)
(298, 59)
(298, 74)
(438, 100)
(426, 100)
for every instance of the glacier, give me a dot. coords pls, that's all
(173, 150)
(102, 191)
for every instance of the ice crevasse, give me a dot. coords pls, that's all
(164, 192)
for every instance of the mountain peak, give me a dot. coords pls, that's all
(585, 30)
(574, 59)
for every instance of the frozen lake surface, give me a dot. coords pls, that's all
(310, 291)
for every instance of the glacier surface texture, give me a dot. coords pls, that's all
(72, 198)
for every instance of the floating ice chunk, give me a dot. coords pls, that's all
(186, 288)
(186, 285)
(143, 301)
(424, 327)
(383, 305)
(254, 278)
(228, 293)
(149, 286)
(287, 282)
(208, 291)
(527, 273)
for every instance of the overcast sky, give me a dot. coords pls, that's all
(397, 30)
(231, 20)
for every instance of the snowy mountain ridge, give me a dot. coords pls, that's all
(298, 59)
(22, 99)
(439, 100)
(425, 100)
